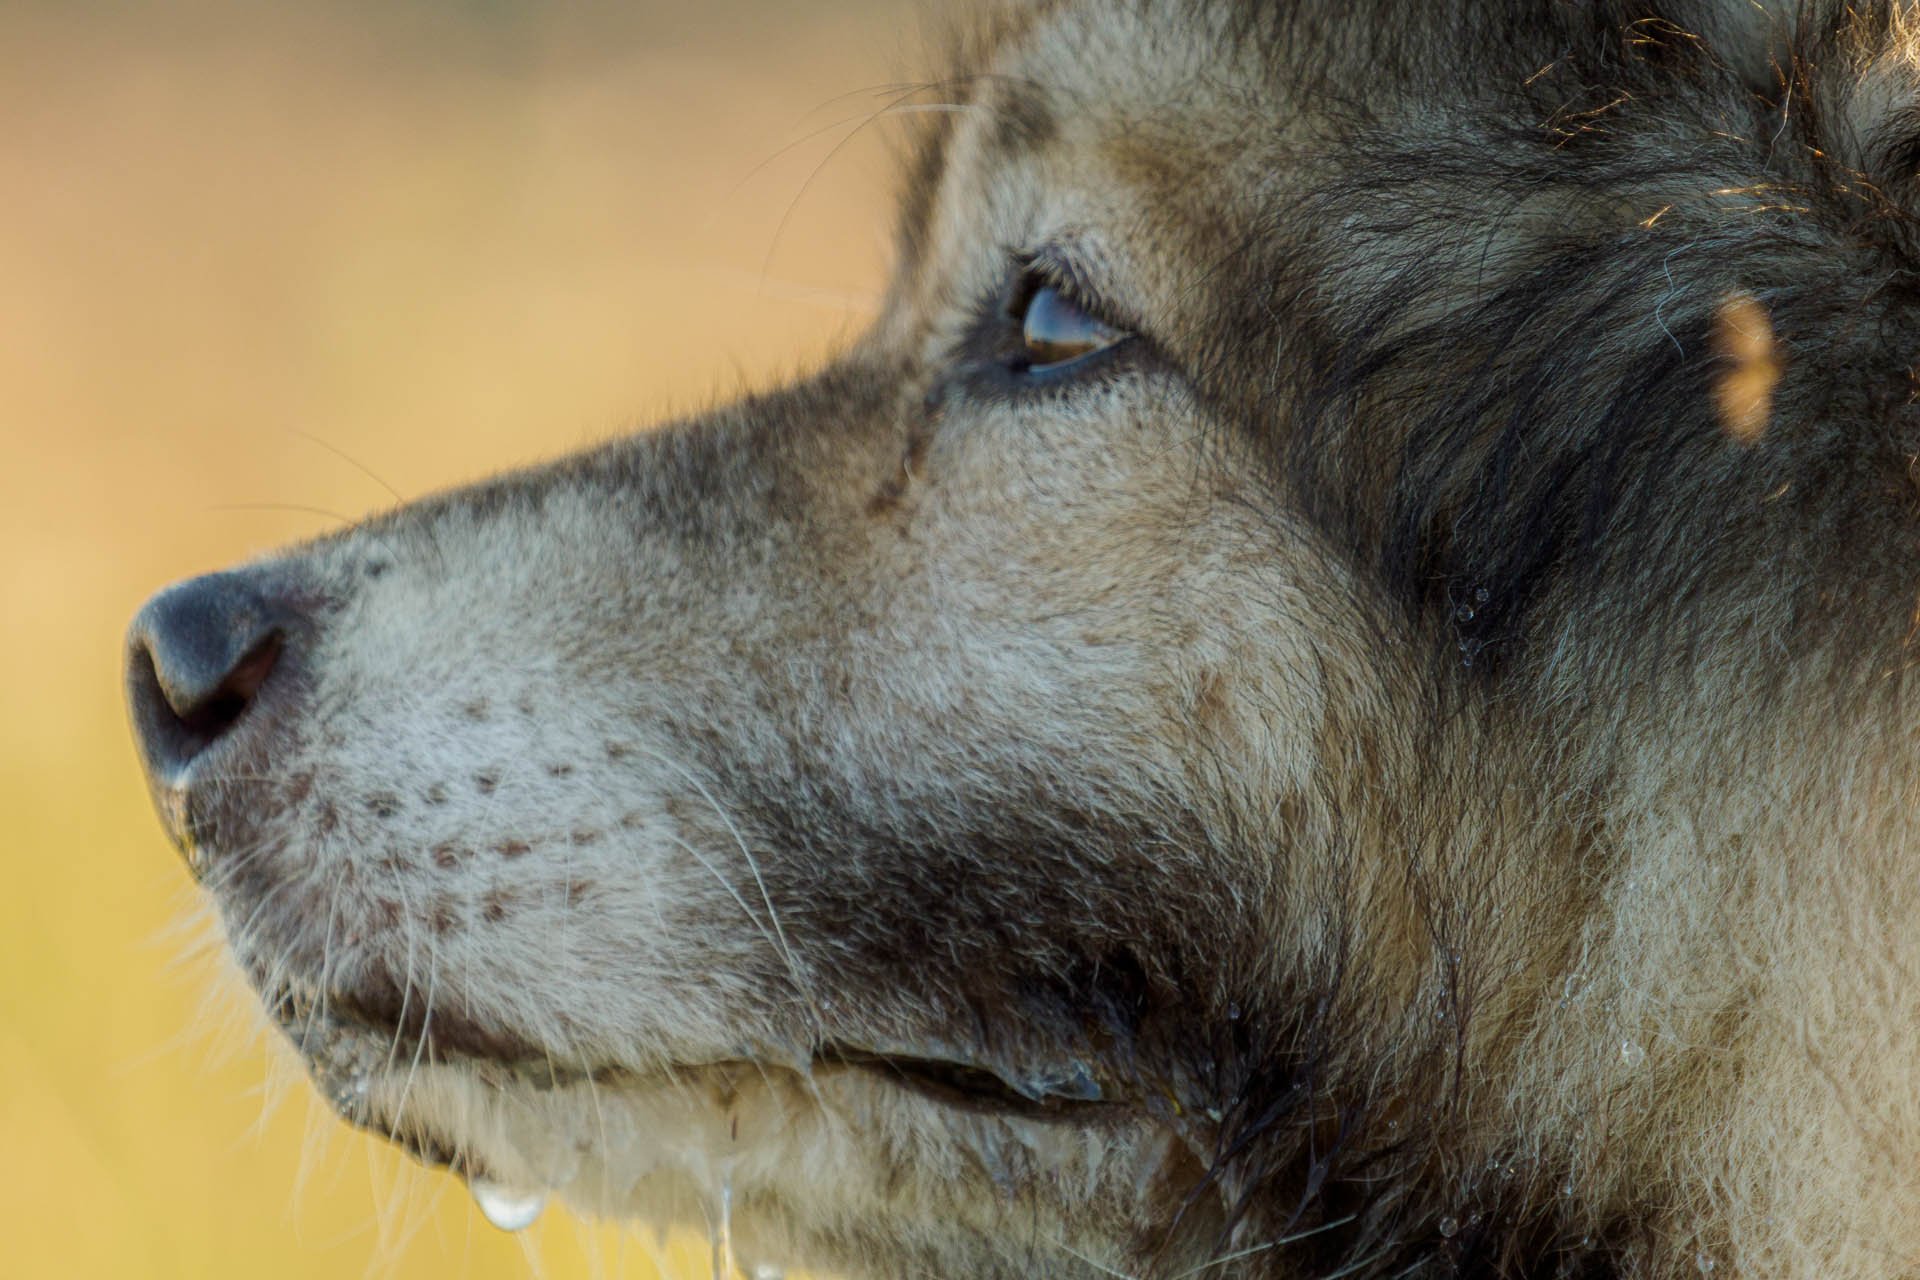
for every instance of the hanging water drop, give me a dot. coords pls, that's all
(1702, 1261)
(720, 1231)
(1449, 1227)
(508, 1209)
(1632, 1054)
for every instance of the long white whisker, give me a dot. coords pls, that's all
(803, 985)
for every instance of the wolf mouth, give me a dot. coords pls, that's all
(347, 1046)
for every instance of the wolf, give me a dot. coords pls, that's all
(1327, 692)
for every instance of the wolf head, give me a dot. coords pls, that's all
(1324, 693)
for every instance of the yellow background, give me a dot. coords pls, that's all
(262, 268)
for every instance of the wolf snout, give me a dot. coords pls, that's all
(198, 654)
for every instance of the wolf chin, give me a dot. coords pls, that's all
(1326, 693)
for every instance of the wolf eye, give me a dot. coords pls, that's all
(1057, 330)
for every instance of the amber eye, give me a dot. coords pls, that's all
(1057, 331)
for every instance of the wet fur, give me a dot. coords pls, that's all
(1453, 792)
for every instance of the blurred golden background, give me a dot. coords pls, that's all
(263, 267)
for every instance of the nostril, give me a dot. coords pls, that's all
(198, 655)
(215, 713)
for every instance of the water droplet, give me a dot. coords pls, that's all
(720, 1231)
(1449, 1227)
(1566, 1188)
(1464, 613)
(508, 1209)
(1632, 1054)
(1233, 1013)
(1703, 1262)
(1481, 595)
(1076, 1083)
(765, 1272)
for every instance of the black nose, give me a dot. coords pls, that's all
(197, 654)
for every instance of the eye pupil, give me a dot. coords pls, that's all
(1057, 331)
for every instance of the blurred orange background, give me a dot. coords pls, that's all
(262, 269)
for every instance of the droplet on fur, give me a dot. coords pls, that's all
(509, 1210)
(352, 1093)
(1632, 1054)
(1449, 1228)
(1743, 336)
(1703, 1262)
(764, 1272)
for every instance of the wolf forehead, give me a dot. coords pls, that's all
(1480, 262)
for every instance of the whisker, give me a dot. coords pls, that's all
(803, 985)
(349, 459)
